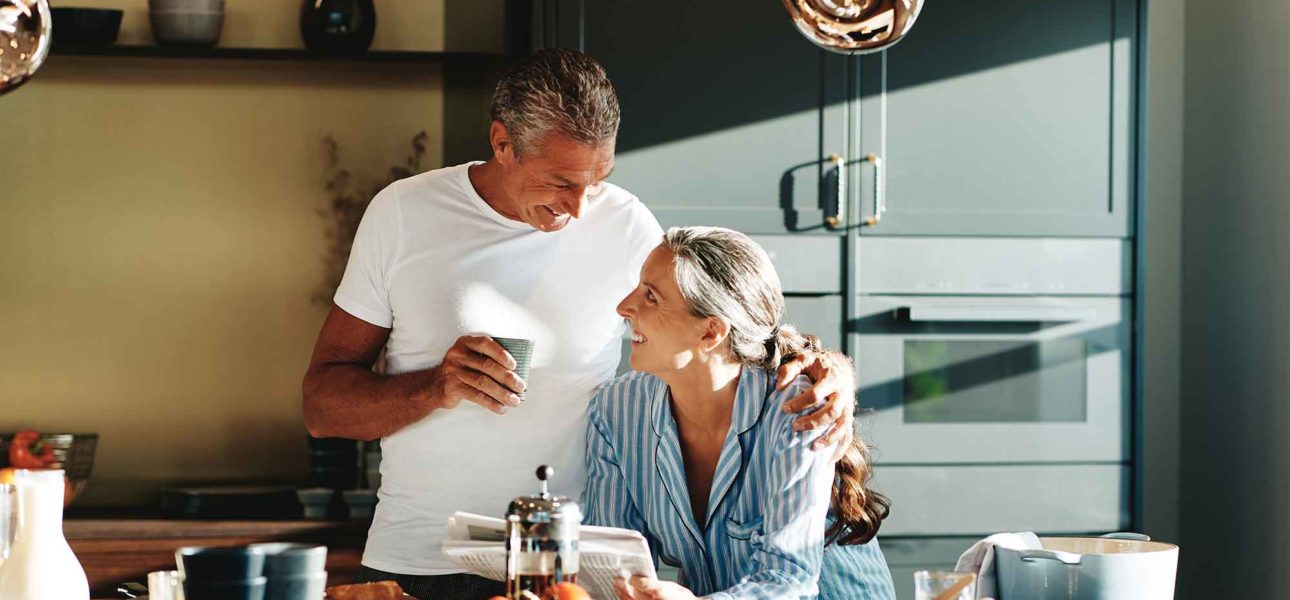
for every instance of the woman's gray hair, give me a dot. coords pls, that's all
(556, 90)
(724, 274)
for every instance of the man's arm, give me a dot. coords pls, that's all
(344, 398)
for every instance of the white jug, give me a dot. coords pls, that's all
(41, 565)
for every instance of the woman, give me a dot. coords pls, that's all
(694, 451)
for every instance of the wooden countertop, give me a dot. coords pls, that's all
(119, 529)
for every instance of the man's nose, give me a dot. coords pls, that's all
(576, 202)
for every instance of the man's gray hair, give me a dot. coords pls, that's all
(723, 273)
(556, 90)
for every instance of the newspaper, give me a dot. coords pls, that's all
(477, 543)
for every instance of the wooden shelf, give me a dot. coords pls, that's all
(276, 54)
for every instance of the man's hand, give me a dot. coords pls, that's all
(832, 396)
(477, 369)
(644, 588)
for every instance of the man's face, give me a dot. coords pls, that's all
(551, 183)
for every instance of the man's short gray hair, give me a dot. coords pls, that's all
(556, 90)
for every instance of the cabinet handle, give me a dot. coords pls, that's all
(837, 220)
(879, 192)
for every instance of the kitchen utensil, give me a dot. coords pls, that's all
(88, 26)
(25, 32)
(944, 585)
(41, 565)
(541, 540)
(1117, 566)
(853, 26)
(187, 28)
(522, 351)
(220, 564)
(74, 454)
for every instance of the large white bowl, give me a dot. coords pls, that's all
(187, 28)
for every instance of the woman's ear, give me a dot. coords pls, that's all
(715, 332)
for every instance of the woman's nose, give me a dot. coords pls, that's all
(625, 307)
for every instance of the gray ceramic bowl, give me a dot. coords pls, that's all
(187, 28)
(293, 560)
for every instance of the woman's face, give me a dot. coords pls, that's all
(665, 335)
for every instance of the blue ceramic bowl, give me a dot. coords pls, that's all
(308, 587)
(87, 26)
(223, 564)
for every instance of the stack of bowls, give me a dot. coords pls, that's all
(294, 571)
(234, 573)
(186, 22)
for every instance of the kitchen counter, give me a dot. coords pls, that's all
(114, 551)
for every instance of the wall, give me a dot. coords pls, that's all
(1160, 275)
(1236, 290)
(160, 239)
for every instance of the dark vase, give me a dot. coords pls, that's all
(338, 25)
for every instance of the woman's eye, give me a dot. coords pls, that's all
(650, 296)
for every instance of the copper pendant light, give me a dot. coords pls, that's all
(853, 26)
(24, 40)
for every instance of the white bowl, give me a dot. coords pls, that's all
(187, 28)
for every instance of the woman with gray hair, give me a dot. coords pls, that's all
(693, 449)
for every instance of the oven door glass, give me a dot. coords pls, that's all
(995, 381)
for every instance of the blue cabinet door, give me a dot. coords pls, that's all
(1012, 119)
(728, 114)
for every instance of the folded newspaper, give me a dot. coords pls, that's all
(478, 544)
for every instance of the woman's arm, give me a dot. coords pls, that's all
(606, 500)
(788, 552)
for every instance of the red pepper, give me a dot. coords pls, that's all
(27, 451)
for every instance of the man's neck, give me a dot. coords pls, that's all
(703, 394)
(487, 180)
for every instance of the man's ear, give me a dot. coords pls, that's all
(500, 138)
(715, 333)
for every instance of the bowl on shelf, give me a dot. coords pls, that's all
(186, 5)
(186, 27)
(86, 26)
(73, 453)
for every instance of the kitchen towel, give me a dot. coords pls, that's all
(979, 559)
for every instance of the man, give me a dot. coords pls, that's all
(531, 244)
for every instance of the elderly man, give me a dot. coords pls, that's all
(531, 244)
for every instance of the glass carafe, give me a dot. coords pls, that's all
(41, 566)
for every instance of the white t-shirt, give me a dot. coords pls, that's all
(433, 262)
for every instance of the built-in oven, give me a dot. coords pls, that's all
(987, 379)
(998, 374)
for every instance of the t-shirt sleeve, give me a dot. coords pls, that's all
(644, 236)
(364, 290)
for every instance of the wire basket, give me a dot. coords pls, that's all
(73, 453)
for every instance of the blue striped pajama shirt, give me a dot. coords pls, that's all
(764, 532)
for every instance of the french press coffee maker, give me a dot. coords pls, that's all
(541, 541)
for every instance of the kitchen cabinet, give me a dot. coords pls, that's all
(1014, 119)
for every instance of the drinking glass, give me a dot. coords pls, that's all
(944, 585)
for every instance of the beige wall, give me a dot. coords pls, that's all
(159, 241)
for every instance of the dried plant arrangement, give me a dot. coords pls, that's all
(347, 200)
